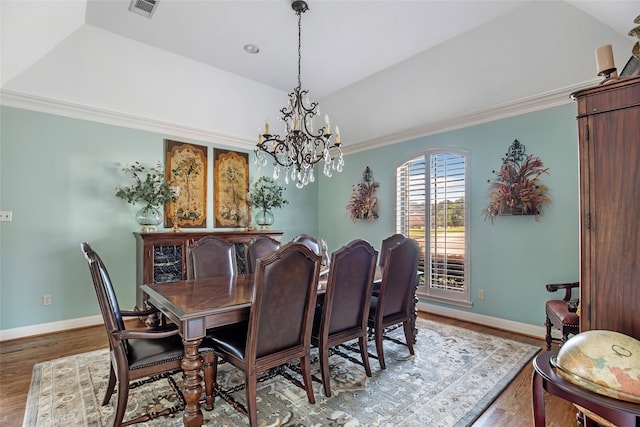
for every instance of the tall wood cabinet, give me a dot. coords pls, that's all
(609, 149)
(161, 257)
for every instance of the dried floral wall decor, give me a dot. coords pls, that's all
(363, 204)
(516, 189)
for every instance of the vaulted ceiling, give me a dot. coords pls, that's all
(384, 70)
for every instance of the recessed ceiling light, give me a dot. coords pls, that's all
(251, 48)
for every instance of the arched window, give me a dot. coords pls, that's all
(432, 208)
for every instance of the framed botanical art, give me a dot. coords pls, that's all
(186, 169)
(231, 185)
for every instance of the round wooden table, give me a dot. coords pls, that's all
(618, 412)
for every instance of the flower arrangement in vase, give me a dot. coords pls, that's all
(149, 187)
(517, 189)
(265, 195)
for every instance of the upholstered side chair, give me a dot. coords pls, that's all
(393, 304)
(387, 243)
(343, 315)
(280, 321)
(211, 257)
(561, 314)
(310, 242)
(259, 248)
(137, 354)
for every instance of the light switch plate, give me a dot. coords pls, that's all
(6, 216)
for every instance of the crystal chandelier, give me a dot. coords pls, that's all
(302, 147)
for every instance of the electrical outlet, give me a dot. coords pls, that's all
(46, 299)
(6, 216)
(480, 293)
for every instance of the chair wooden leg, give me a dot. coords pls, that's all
(408, 335)
(324, 368)
(110, 387)
(305, 365)
(252, 404)
(362, 341)
(214, 377)
(547, 337)
(208, 371)
(123, 396)
(379, 348)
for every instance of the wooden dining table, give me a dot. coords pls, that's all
(198, 305)
(201, 304)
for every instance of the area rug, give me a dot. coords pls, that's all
(454, 376)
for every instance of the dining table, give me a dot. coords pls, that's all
(195, 306)
(198, 305)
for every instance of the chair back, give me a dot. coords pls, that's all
(349, 285)
(399, 279)
(259, 248)
(387, 243)
(284, 298)
(310, 242)
(107, 299)
(211, 257)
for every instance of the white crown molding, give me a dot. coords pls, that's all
(83, 112)
(518, 107)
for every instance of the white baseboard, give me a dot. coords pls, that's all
(494, 322)
(45, 328)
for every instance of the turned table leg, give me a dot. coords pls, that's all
(191, 364)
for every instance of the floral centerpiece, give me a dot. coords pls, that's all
(517, 188)
(265, 195)
(149, 187)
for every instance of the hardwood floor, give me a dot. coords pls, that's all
(511, 409)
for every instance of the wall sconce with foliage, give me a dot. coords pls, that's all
(516, 189)
(363, 204)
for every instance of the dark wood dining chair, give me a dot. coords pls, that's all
(387, 243)
(280, 321)
(344, 313)
(258, 248)
(211, 257)
(393, 304)
(310, 242)
(137, 354)
(558, 313)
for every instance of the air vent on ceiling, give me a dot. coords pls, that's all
(143, 7)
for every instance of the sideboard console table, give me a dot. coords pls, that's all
(161, 256)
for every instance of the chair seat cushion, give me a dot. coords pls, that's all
(558, 308)
(230, 339)
(149, 352)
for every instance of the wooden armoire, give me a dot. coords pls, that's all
(609, 150)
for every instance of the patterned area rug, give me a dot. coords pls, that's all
(455, 375)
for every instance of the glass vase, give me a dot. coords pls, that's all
(149, 217)
(264, 219)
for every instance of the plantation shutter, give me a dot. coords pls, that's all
(410, 199)
(446, 240)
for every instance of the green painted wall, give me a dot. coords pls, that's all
(511, 259)
(58, 176)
